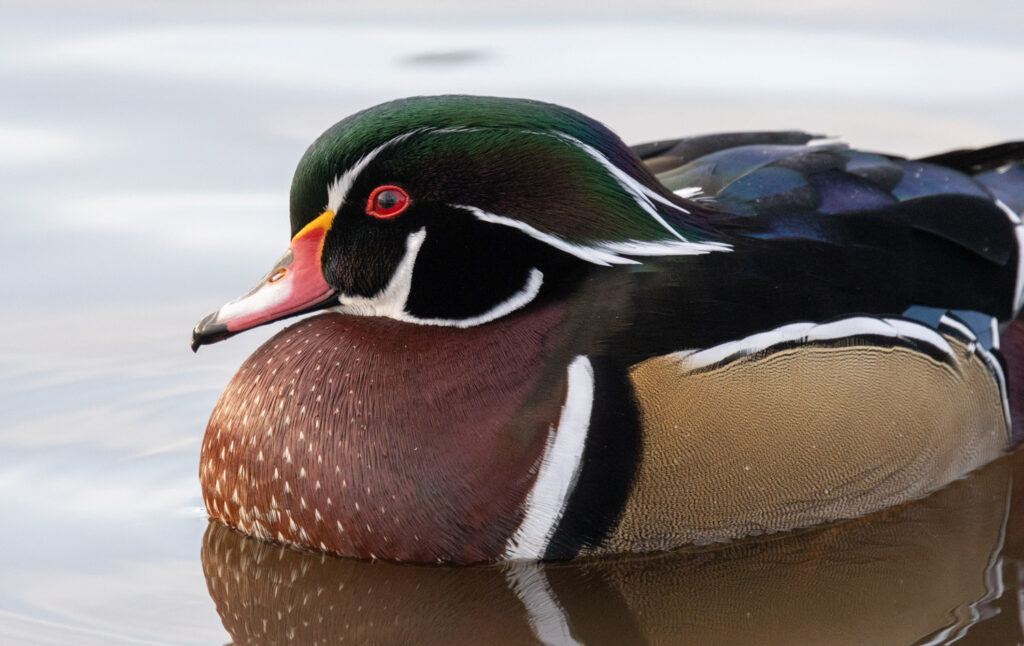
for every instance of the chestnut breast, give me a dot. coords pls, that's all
(373, 438)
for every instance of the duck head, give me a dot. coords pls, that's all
(458, 210)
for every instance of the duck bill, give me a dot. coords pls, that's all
(295, 285)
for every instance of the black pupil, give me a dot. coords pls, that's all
(387, 200)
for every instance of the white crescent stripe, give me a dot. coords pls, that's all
(392, 300)
(559, 467)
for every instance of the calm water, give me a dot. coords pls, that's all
(145, 159)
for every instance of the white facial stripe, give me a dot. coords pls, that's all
(589, 254)
(516, 301)
(453, 129)
(602, 253)
(338, 190)
(664, 248)
(1018, 232)
(807, 332)
(391, 301)
(547, 617)
(559, 467)
(642, 194)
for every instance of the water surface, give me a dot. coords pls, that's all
(145, 157)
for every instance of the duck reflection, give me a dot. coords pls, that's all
(921, 573)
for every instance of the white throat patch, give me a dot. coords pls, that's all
(392, 300)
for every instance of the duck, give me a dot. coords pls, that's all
(907, 575)
(531, 341)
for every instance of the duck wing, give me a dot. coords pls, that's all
(823, 232)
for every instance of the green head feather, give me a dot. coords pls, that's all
(550, 167)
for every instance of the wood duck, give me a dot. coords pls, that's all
(540, 343)
(924, 573)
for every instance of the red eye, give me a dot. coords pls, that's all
(387, 202)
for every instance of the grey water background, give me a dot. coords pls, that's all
(146, 151)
